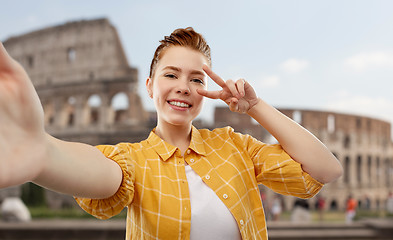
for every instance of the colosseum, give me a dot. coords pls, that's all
(89, 94)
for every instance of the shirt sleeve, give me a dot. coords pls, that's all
(109, 207)
(275, 169)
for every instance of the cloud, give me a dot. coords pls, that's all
(270, 81)
(377, 107)
(294, 65)
(370, 60)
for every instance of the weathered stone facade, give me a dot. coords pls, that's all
(79, 69)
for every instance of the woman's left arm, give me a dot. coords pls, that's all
(299, 143)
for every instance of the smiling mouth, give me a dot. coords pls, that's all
(179, 104)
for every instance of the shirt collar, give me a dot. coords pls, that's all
(166, 150)
(197, 143)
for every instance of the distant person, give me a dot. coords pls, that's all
(366, 202)
(320, 206)
(301, 211)
(181, 182)
(350, 211)
(276, 208)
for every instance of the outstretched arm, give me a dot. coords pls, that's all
(299, 143)
(28, 153)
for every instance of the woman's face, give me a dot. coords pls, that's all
(173, 87)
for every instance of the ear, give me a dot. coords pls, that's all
(149, 87)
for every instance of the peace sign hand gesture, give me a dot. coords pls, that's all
(239, 96)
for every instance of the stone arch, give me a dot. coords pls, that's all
(70, 111)
(387, 172)
(67, 112)
(359, 169)
(119, 106)
(347, 166)
(369, 169)
(333, 206)
(378, 170)
(49, 113)
(93, 105)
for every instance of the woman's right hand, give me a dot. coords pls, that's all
(22, 133)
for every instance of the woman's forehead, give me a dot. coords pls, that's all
(182, 58)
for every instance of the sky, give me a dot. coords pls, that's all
(321, 55)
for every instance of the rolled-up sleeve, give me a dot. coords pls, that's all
(275, 169)
(282, 174)
(109, 207)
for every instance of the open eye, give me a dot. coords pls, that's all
(170, 75)
(197, 80)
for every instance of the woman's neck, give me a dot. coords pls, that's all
(176, 135)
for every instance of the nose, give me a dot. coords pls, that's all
(183, 88)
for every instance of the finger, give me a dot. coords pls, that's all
(5, 59)
(209, 94)
(217, 79)
(233, 105)
(232, 87)
(240, 86)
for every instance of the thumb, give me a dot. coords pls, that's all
(6, 61)
(234, 105)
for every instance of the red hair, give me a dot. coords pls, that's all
(184, 37)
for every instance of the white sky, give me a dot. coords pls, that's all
(323, 55)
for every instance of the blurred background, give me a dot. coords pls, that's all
(326, 64)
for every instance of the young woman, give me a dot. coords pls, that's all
(181, 182)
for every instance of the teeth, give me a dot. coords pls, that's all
(179, 104)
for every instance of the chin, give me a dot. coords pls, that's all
(179, 119)
(180, 122)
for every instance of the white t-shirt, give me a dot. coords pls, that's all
(210, 218)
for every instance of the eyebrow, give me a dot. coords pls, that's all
(179, 70)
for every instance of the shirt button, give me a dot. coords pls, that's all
(241, 222)
(188, 151)
(225, 196)
(207, 177)
(192, 160)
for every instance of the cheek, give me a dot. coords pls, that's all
(161, 92)
(197, 94)
(157, 93)
(200, 99)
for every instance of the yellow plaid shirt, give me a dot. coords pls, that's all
(155, 189)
